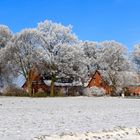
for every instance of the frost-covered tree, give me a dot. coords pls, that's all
(25, 52)
(5, 35)
(56, 34)
(71, 62)
(91, 52)
(56, 37)
(112, 59)
(136, 57)
(5, 71)
(6, 74)
(128, 78)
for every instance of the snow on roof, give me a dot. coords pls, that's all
(86, 83)
(19, 81)
(75, 83)
(135, 85)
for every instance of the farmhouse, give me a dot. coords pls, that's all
(41, 84)
(98, 81)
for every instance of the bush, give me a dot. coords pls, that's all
(94, 91)
(40, 94)
(60, 93)
(127, 93)
(12, 90)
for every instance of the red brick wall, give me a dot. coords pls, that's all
(134, 90)
(98, 82)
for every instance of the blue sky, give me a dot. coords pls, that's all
(95, 20)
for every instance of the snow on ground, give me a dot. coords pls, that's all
(115, 134)
(34, 118)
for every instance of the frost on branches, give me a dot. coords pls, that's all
(112, 59)
(5, 72)
(25, 50)
(5, 35)
(136, 57)
(90, 50)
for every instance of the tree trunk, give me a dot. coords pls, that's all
(52, 93)
(29, 84)
(113, 90)
(29, 88)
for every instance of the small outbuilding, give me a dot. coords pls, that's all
(133, 90)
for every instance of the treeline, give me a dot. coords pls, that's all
(56, 51)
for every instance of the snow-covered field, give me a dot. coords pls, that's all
(43, 118)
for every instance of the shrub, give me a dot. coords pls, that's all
(60, 93)
(94, 91)
(73, 93)
(12, 90)
(40, 94)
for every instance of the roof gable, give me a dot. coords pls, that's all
(97, 76)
